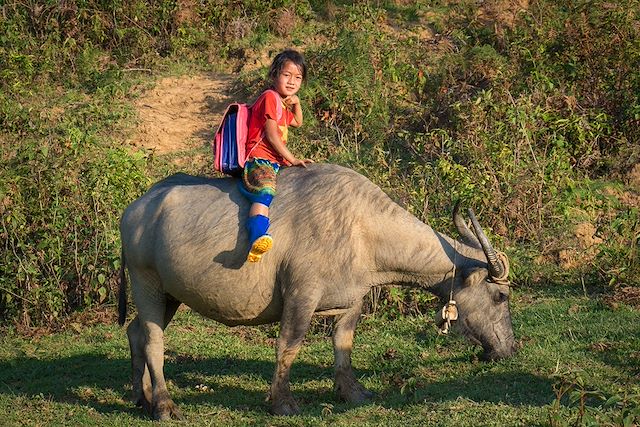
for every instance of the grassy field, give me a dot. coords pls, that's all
(573, 348)
(527, 111)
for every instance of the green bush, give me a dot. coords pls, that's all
(509, 119)
(60, 210)
(527, 120)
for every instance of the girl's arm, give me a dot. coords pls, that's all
(294, 103)
(273, 136)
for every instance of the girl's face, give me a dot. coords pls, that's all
(289, 80)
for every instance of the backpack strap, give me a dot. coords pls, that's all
(279, 110)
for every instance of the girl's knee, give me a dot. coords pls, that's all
(259, 209)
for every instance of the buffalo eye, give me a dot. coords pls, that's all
(500, 297)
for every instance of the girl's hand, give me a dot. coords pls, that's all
(292, 103)
(301, 162)
(292, 100)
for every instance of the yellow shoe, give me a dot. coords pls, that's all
(259, 248)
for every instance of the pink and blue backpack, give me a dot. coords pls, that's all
(230, 141)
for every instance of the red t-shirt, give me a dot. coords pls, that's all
(266, 107)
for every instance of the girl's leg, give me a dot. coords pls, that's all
(258, 186)
(257, 226)
(259, 209)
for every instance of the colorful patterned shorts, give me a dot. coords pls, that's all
(259, 181)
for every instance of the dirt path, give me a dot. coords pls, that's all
(181, 113)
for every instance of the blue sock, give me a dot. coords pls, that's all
(257, 226)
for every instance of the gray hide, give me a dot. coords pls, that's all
(336, 235)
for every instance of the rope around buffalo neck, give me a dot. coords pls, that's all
(449, 312)
(453, 277)
(504, 279)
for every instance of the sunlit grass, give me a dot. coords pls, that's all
(219, 375)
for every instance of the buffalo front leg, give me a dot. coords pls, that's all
(346, 385)
(293, 327)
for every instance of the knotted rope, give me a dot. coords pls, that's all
(449, 312)
(504, 278)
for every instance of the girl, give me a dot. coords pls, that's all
(271, 115)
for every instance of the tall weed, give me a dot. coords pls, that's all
(433, 101)
(60, 210)
(509, 119)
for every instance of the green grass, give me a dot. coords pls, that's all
(524, 123)
(220, 375)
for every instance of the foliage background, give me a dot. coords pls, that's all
(528, 111)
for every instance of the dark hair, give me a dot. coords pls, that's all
(287, 55)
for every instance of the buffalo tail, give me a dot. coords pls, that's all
(122, 292)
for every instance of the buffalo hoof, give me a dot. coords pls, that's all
(143, 402)
(285, 406)
(166, 410)
(350, 390)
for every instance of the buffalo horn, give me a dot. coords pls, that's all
(467, 235)
(496, 269)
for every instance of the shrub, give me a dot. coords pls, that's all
(60, 209)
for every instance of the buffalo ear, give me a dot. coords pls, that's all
(477, 276)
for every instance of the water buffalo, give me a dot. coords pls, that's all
(336, 235)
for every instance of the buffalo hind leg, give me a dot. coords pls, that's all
(346, 385)
(294, 324)
(162, 406)
(140, 379)
(155, 308)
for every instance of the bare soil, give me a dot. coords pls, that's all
(501, 14)
(181, 113)
(586, 247)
